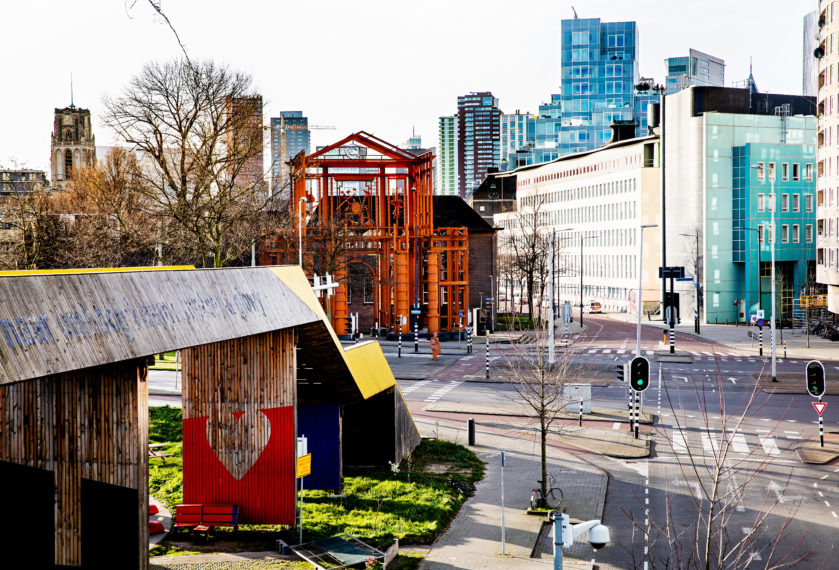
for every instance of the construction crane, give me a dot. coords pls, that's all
(283, 128)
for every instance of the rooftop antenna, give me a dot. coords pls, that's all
(576, 17)
(72, 106)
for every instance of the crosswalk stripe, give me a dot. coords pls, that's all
(710, 445)
(769, 445)
(738, 443)
(592, 351)
(607, 351)
(621, 351)
(679, 442)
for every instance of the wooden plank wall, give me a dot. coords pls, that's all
(90, 424)
(239, 400)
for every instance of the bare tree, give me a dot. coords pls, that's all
(527, 246)
(540, 386)
(194, 124)
(29, 229)
(720, 483)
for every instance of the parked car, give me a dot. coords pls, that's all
(594, 307)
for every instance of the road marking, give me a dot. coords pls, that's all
(621, 351)
(685, 378)
(822, 477)
(711, 445)
(834, 514)
(738, 443)
(828, 504)
(769, 445)
(733, 380)
(821, 494)
(616, 425)
(607, 350)
(679, 442)
(707, 353)
(785, 431)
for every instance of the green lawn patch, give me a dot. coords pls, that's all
(166, 361)
(414, 502)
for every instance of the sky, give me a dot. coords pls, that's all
(388, 67)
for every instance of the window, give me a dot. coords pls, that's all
(614, 70)
(615, 41)
(761, 173)
(785, 233)
(614, 87)
(808, 202)
(808, 171)
(785, 202)
(785, 171)
(761, 203)
(796, 171)
(796, 203)
(579, 38)
(808, 233)
(795, 233)
(772, 171)
(761, 235)
(579, 55)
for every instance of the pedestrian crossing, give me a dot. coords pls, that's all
(719, 356)
(680, 441)
(443, 390)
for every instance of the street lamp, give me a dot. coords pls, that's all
(647, 84)
(300, 230)
(695, 283)
(582, 239)
(551, 293)
(772, 204)
(640, 283)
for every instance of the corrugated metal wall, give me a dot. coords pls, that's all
(239, 433)
(86, 425)
(321, 424)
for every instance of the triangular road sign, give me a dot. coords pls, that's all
(820, 406)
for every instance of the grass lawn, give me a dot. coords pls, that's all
(168, 362)
(414, 504)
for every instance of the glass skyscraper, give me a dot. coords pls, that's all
(479, 139)
(696, 69)
(297, 138)
(447, 159)
(599, 74)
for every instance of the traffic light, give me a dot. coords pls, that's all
(621, 370)
(815, 378)
(639, 373)
(348, 323)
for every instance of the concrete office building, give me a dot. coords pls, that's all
(600, 198)
(810, 65)
(712, 137)
(518, 135)
(827, 209)
(446, 180)
(696, 68)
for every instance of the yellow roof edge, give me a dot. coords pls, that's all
(23, 272)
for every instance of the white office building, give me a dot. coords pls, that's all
(595, 202)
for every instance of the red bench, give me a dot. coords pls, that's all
(204, 517)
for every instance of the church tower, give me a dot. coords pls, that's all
(73, 144)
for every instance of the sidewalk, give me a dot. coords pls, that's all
(474, 538)
(735, 337)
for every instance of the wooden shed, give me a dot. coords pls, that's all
(74, 349)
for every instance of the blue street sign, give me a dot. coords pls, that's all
(760, 323)
(415, 311)
(460, 313)
(684, 279)
(502, 459)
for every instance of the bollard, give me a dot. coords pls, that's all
(665, 336)
(785, 349)
(469, 341)
(470, 426)
(629, 410)
(581, 413)
(760, 342)
(416, 334)
(400, 336)
(487, 357)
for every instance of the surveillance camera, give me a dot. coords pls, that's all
(598, 536)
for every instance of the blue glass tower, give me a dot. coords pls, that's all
(599, 74)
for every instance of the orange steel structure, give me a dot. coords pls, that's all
(368, 201)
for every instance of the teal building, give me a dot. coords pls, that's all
(717, 207)
(789, 170)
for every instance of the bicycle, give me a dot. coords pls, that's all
(552, 499)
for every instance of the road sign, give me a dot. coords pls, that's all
(460, 313)
(820, 406)
(689, 278)
(671, 272)
(753, 318)
(760, 314)
(502, 459)
(415, 311)
(760, 323)
(304, 465)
